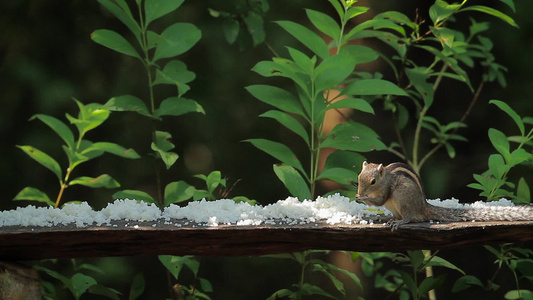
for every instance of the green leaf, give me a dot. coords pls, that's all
(466, 282)
(276, 97)
(174, 264)
(175, 72)
(491, 11)
(278, 151)
(333, 71)
(497, 166)
(178, 191)
(519, 295)
(353, 136)
(137, 286)
(354, 103)
(231, 29)
(134, 195)
(289, 122)
(441, 11)
(59, 127)
(43, 159)
(113, 149)
(163, 140)
(510, 3)
(155, 9)
(123, 13)
(345, 159)
(338, 8)
(254, 24)
(33, 194)
(90, 116)
(410, 283)
(127, 103)
(310, 289)
(176, 39)
(339, 286)
(373, 87)
(114, 41)
(80, 284)
(507, 109)
(104, 181)
(205, 285)
(437, 261)
(101, 290)
(359, 53)
(523, 194)
(293, 181)
(169, 158)
(324, 23)
(307, 37)
(175, 106)
(500, 142)
(418, 77)
(281, 67)
(340, 175)
(430, 283)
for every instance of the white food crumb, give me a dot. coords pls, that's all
(333, 209)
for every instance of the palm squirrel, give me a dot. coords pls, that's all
(399, 189)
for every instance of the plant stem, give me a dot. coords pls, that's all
(64, 185)
(415, 163)
(146, 62)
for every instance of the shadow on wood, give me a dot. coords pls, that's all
(150, 238)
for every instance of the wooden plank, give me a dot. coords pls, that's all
(141, 238)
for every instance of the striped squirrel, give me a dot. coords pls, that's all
(399, 189)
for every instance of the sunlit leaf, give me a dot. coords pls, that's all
(59, 127)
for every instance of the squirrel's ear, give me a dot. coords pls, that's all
(381, 169)
(364, 164)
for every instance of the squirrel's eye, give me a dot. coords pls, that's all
(373, 181)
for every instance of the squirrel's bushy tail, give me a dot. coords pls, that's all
(488, 213)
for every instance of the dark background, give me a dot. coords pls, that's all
(47, 57)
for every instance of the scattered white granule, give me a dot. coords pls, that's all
(131, 210)
(333, 209)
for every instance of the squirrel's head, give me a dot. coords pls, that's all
(369, 180)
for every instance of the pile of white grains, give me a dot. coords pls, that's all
(334, 209)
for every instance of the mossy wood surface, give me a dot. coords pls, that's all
(27, 243)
